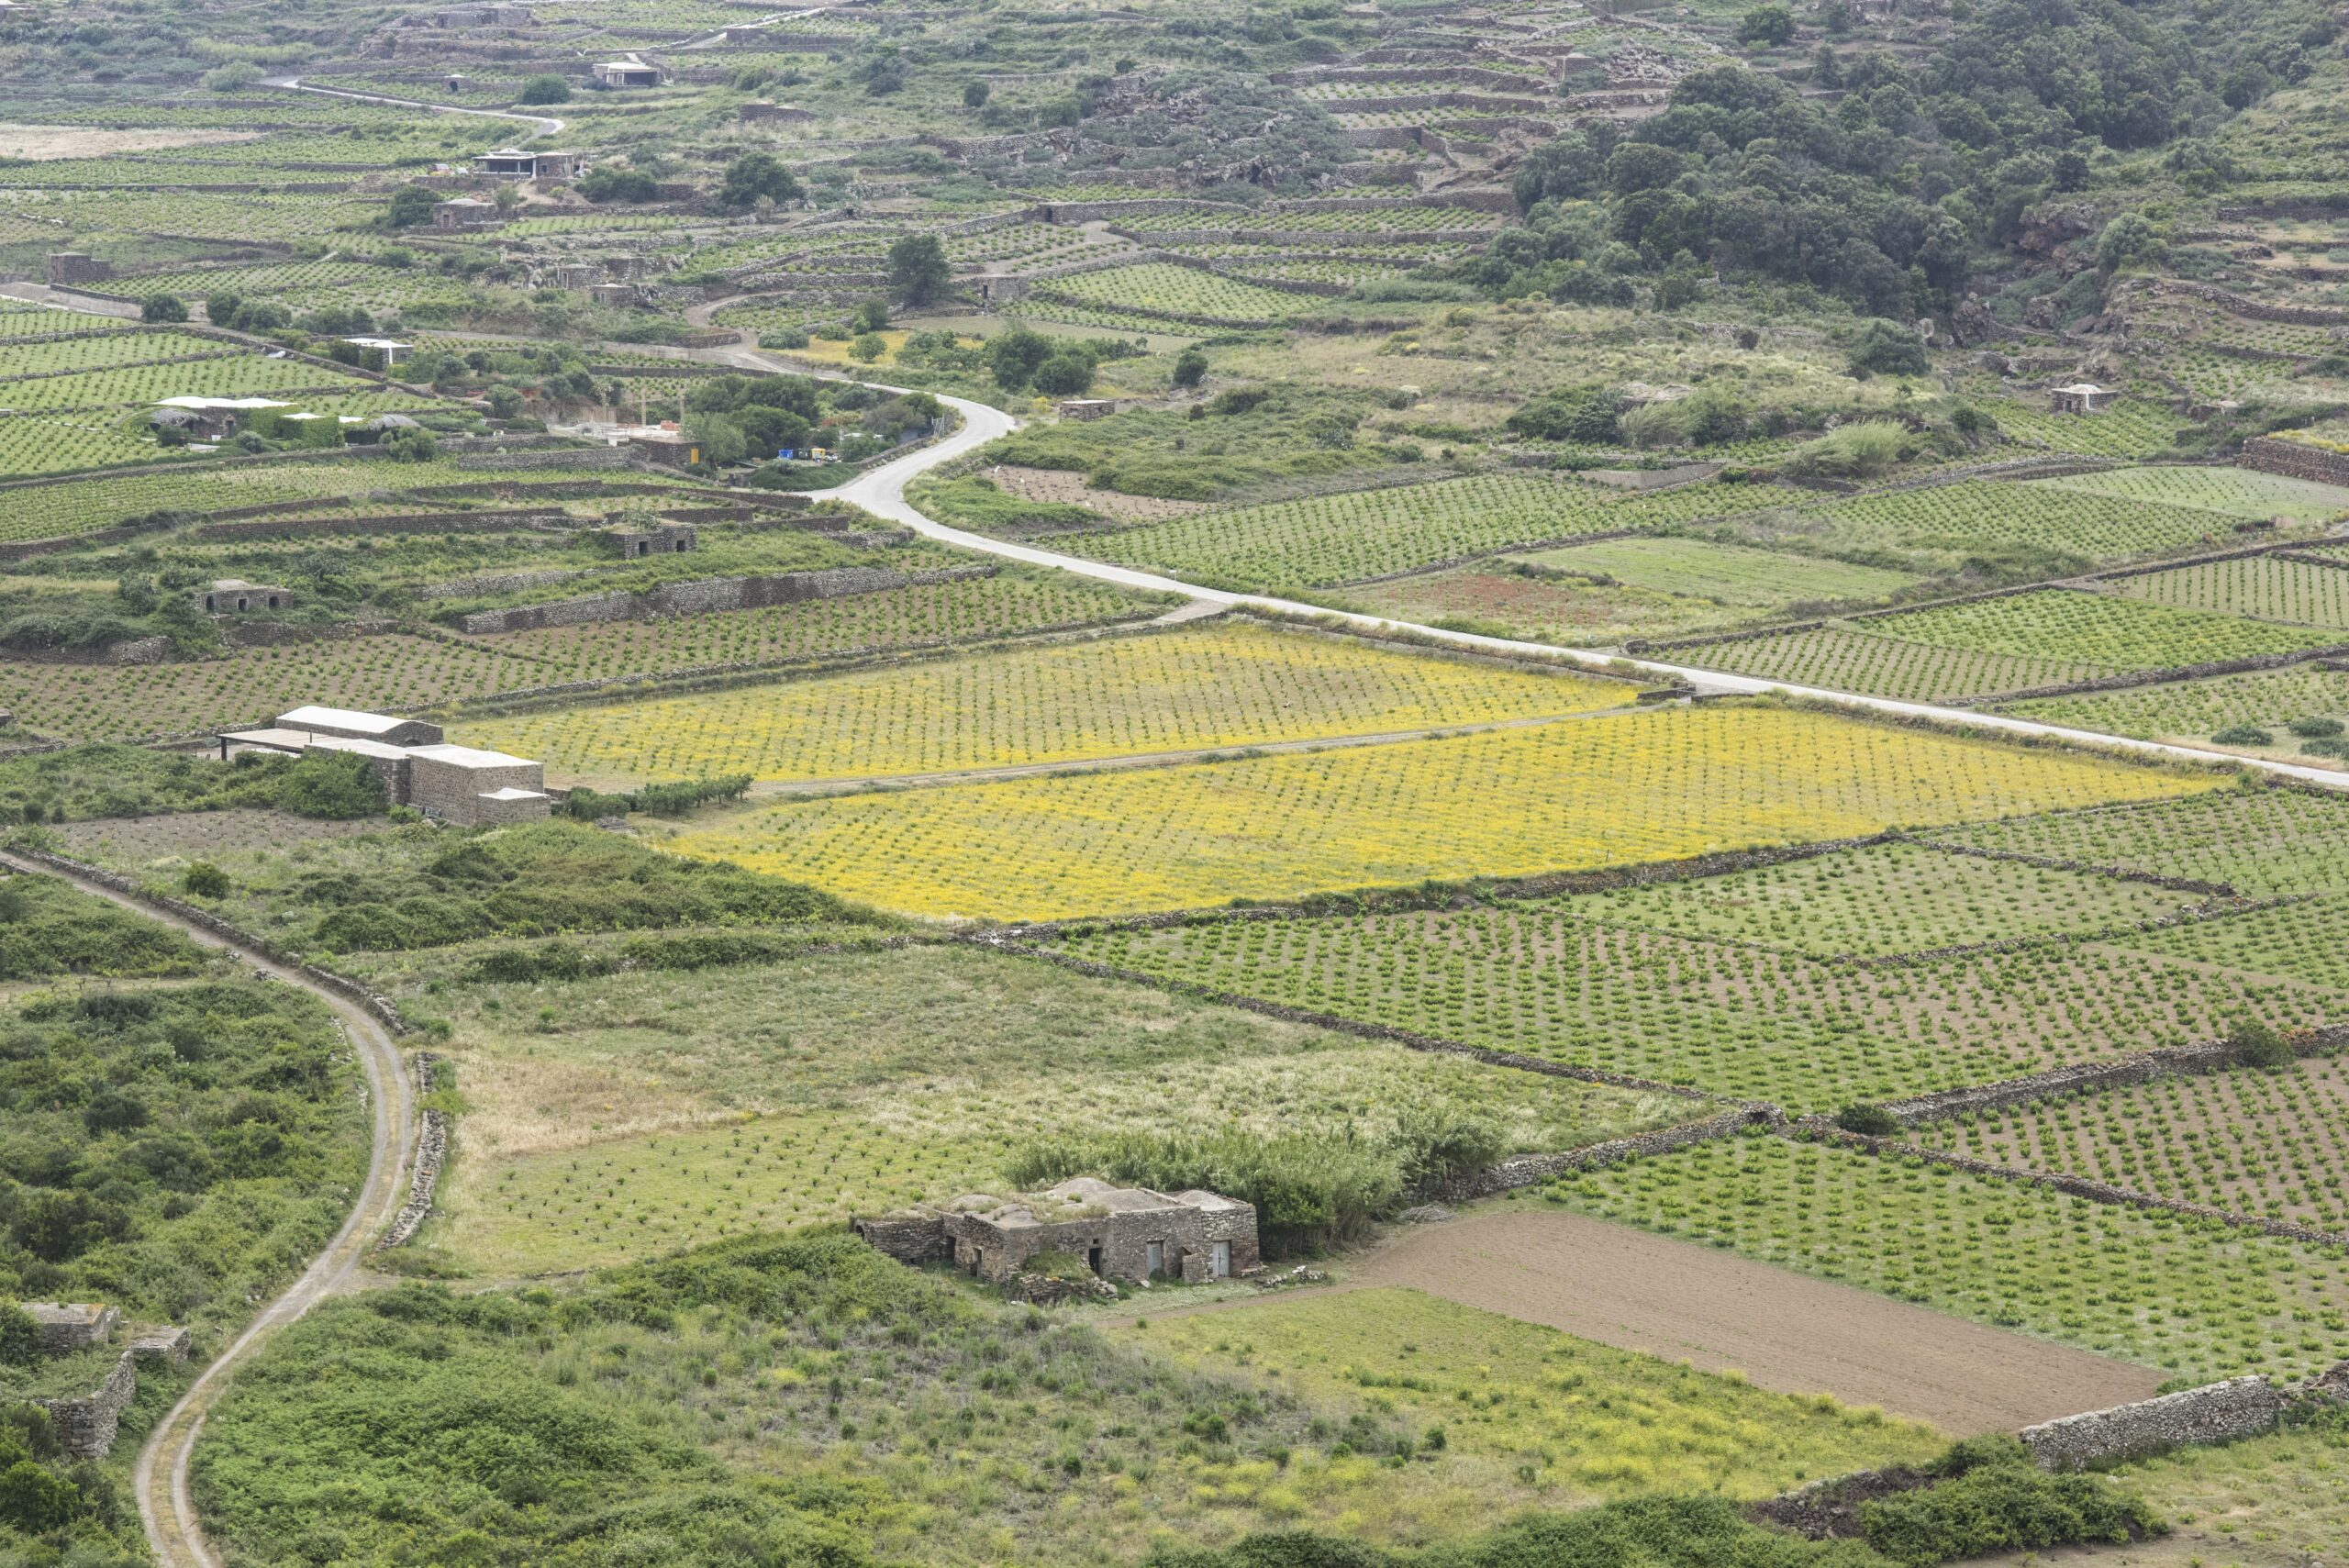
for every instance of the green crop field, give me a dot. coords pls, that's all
(2263, 588)
(1587, 1422)
(2190, 1298)
(2235, 492)
(2263, 843)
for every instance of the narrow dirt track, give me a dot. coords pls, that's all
(161, 1477)
(1786, 1332)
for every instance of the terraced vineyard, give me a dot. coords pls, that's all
(1556, 978)
(2098, 628)
(1221, 686)
(1969, 516)
(2140, 1285)
(394, 672)
(1332, 540)
(1160, 288)
(2261, 586)
(2261, 844)
(1575, 794)
(2265, 700)
(2271, 1144)
(2233, 492)
(1848, 659)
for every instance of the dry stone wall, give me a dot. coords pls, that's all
(710, 596)
(85, 1426)
(2218, 1412)
(1528, 1170)
(2296, 460)
(424, 1175)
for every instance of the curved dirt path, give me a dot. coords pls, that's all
(547, 124)
(1786, 1332)
(161, 1477)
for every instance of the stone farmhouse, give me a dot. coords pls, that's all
(460, 785)
(1122, 1233)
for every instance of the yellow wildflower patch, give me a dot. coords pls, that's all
(1608, 791)
(1216, 684)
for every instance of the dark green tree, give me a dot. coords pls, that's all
(756, 175)
(918, 269)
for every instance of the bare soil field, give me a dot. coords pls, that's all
(127, 843)
(41, 143)
(1796, 1335)
(1070, 489)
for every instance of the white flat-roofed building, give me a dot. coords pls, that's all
(360, 726)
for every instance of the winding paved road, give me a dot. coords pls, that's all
(161, 1477)
(882, 493)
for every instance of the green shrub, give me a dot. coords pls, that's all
(19, 1336)
(1868, 1121)
(2315, 728)
(2334, 748)
(1999, 1500)
(2256, 1045)
(1310, 1193)
(48, 927)
(1856, 451)
(2243, 735)
(205, 879)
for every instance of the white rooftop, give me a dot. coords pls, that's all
(379, 343)
(2085, 388)
(468, 757)
(510, 793)
(313, 717)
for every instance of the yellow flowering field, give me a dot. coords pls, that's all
(1219, 683)
(1608, 791)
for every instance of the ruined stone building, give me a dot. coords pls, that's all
(1120, 1233)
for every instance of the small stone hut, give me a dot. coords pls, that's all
(234, 596)
(2081, 397)
(1122, 1233)
(636, 536)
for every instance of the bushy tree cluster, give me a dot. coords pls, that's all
(1880, 200)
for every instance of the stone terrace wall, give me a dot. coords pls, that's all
(2296, 460)
(908, 1237)
(2218, 1412)
(1526, 1170)
(85, 1427)
(710, 596)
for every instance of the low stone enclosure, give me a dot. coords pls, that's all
(85, 1424)
(1125, 1233)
